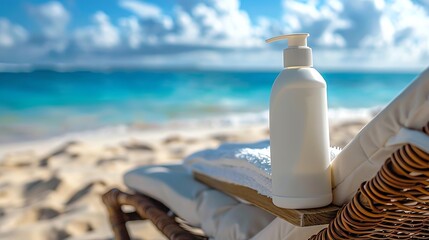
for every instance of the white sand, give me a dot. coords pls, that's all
(51, 189)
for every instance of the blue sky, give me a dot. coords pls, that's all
(208, 34)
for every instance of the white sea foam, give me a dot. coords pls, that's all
(339, 115)
(336, 115)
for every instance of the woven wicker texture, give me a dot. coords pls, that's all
(392, 205)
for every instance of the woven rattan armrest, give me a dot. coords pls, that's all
(392, 205)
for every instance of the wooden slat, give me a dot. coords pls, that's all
(298, 217)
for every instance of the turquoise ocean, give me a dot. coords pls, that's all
(42, 104)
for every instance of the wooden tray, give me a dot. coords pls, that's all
(298, 217)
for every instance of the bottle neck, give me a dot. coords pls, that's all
(297, 57)
(298, 67)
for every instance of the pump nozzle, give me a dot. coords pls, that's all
(297, 54)
(294, 40)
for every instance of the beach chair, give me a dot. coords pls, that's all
(380, 185)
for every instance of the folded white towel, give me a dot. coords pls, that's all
(243, 164)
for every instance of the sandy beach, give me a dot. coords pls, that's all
(50, 189)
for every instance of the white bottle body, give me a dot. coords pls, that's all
(299, 137)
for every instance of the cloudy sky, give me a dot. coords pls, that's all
(220, 34)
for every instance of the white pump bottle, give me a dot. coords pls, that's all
(299, 134)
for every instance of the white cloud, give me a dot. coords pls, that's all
(186, 30)
(214, 24)
(133, 31)
(219, 33)
(52, 18)
(150, 26)
(322, 22)
(142, 9)
(358, 24)
(219, 24)
(11, 34)
(225, 24)
(101, 35)
(364, 33)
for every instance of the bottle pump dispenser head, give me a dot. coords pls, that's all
(297, 54)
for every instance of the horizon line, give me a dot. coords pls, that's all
(26, 68)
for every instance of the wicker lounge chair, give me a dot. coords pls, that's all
(380, 180)
(392, 205)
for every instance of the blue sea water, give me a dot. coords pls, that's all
(45, 103)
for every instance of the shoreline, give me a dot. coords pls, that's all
(336, 116)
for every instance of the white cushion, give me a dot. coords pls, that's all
(361, 159)
(223, 217)
(171, 185)
(220, 216)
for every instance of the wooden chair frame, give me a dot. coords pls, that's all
(146, 208)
